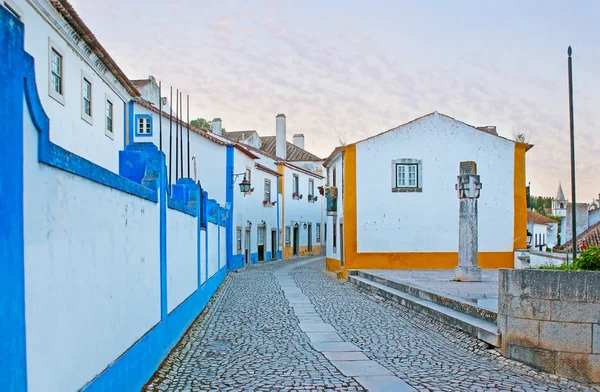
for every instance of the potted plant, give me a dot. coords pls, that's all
(300, 197)
(321, 190)
(310, 197)
(316, 197)
(273, 203)
(294, 194)
(265, 202)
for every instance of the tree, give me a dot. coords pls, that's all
(341, 138)
(202, 124)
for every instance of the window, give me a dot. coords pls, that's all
(295, 187)
(143, 125)
(109, 118)
(334, 232)
(86, 97)
(406, 175)
(334, 176)
(287, 235)
(238, 239)
(318, 232)
(56, 72)
(311, 189)
(268, 191)
(261, 236)
(249, 178)
(325, 233)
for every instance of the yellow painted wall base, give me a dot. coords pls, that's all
(288, 251)
(425, 260)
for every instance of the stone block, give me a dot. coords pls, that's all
(541, 359)
(504, 303)
(502, 281)
(592, 284)
(596, 339)
(572, 286)
(578, 312)
(578, 367)
(514, 282)
(522, 332)
(530, 308)
(541, 284)
(567, 337)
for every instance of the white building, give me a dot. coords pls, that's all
(544, 231)
(559, 203)
(82, 89)
(396, 204)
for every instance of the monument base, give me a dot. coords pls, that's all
(467, 274)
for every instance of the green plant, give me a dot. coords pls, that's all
(562, 267)
(588, 260)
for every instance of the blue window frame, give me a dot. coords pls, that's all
(143, 125)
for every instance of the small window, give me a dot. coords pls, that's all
(143, 125)
(406, 175)
(268, 191)
(109, 116)
(86, 97)
(249, 178)
(311, 189)
(295, 186)
(334, 232)
(238, 239)
(334, 176)
(325, 233)
(287, 235)
(318, 232)
(56, 72)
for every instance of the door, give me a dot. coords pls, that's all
(247, 246)
(273, 244)
(341, 244)
(261, 243)
(296, 241)
(310, 238)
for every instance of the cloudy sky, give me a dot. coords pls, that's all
(350, 69)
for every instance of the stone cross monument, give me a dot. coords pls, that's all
(468, 192)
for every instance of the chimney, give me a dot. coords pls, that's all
(280, 143)
(299, 140)
(217, 129)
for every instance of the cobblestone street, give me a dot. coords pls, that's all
(250, 339)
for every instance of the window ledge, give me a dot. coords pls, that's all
(407, 190)
(109, 134)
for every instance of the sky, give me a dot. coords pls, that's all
(346, 70)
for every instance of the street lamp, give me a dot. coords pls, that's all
(529, 237)
(244, 185)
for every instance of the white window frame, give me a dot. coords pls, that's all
(267, 194)
(296, 186)
(58, 97)
(238, 239)
(406, 164)
(318, 239)
(249, 178)
(288, 235)
(87, 118)
(13, 9)
(110, 133)
(311, 188)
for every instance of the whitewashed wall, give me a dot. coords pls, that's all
(250, 207)
(334, 224)
(211, 156)
(222, 247)
(182, 257)
(42, 26)
(80, 263)
(213, 251)
(537, 259)
(203, 269)
(302, 210)
(428, 221)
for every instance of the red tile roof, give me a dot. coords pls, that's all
(267, 170)
(68, 13)
(590, 237)
(293, 152)
(539, 219)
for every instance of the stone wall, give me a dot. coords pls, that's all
(551, 320)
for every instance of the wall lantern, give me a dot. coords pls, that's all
(529, 237)
(305, 226)
(244, 185)
(249, 223)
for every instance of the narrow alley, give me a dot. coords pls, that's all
(292, 326)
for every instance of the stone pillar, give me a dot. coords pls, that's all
(468, 192)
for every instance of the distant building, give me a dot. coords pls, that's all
(559, 203)
(544, 231)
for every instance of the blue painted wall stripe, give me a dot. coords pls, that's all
(13, 367)
(278, 229)
(229, 199)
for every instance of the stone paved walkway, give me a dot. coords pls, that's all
(291, 326)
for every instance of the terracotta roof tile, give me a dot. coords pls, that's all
(293, 152)
(590, 237)
(539, 219)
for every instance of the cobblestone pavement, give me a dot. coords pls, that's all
(248, 339)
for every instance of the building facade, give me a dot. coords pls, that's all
(544, 231)
(394, 202)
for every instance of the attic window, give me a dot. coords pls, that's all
(407, 175)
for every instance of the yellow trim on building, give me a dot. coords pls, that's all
(520, 195)
(418, 260)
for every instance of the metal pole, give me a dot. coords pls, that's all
(574, 202)
(181, 131)
(170, 135)
(160, 115)
(188, 134)
(177, 136)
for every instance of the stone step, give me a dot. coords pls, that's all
(481, 329)
(446, 300)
